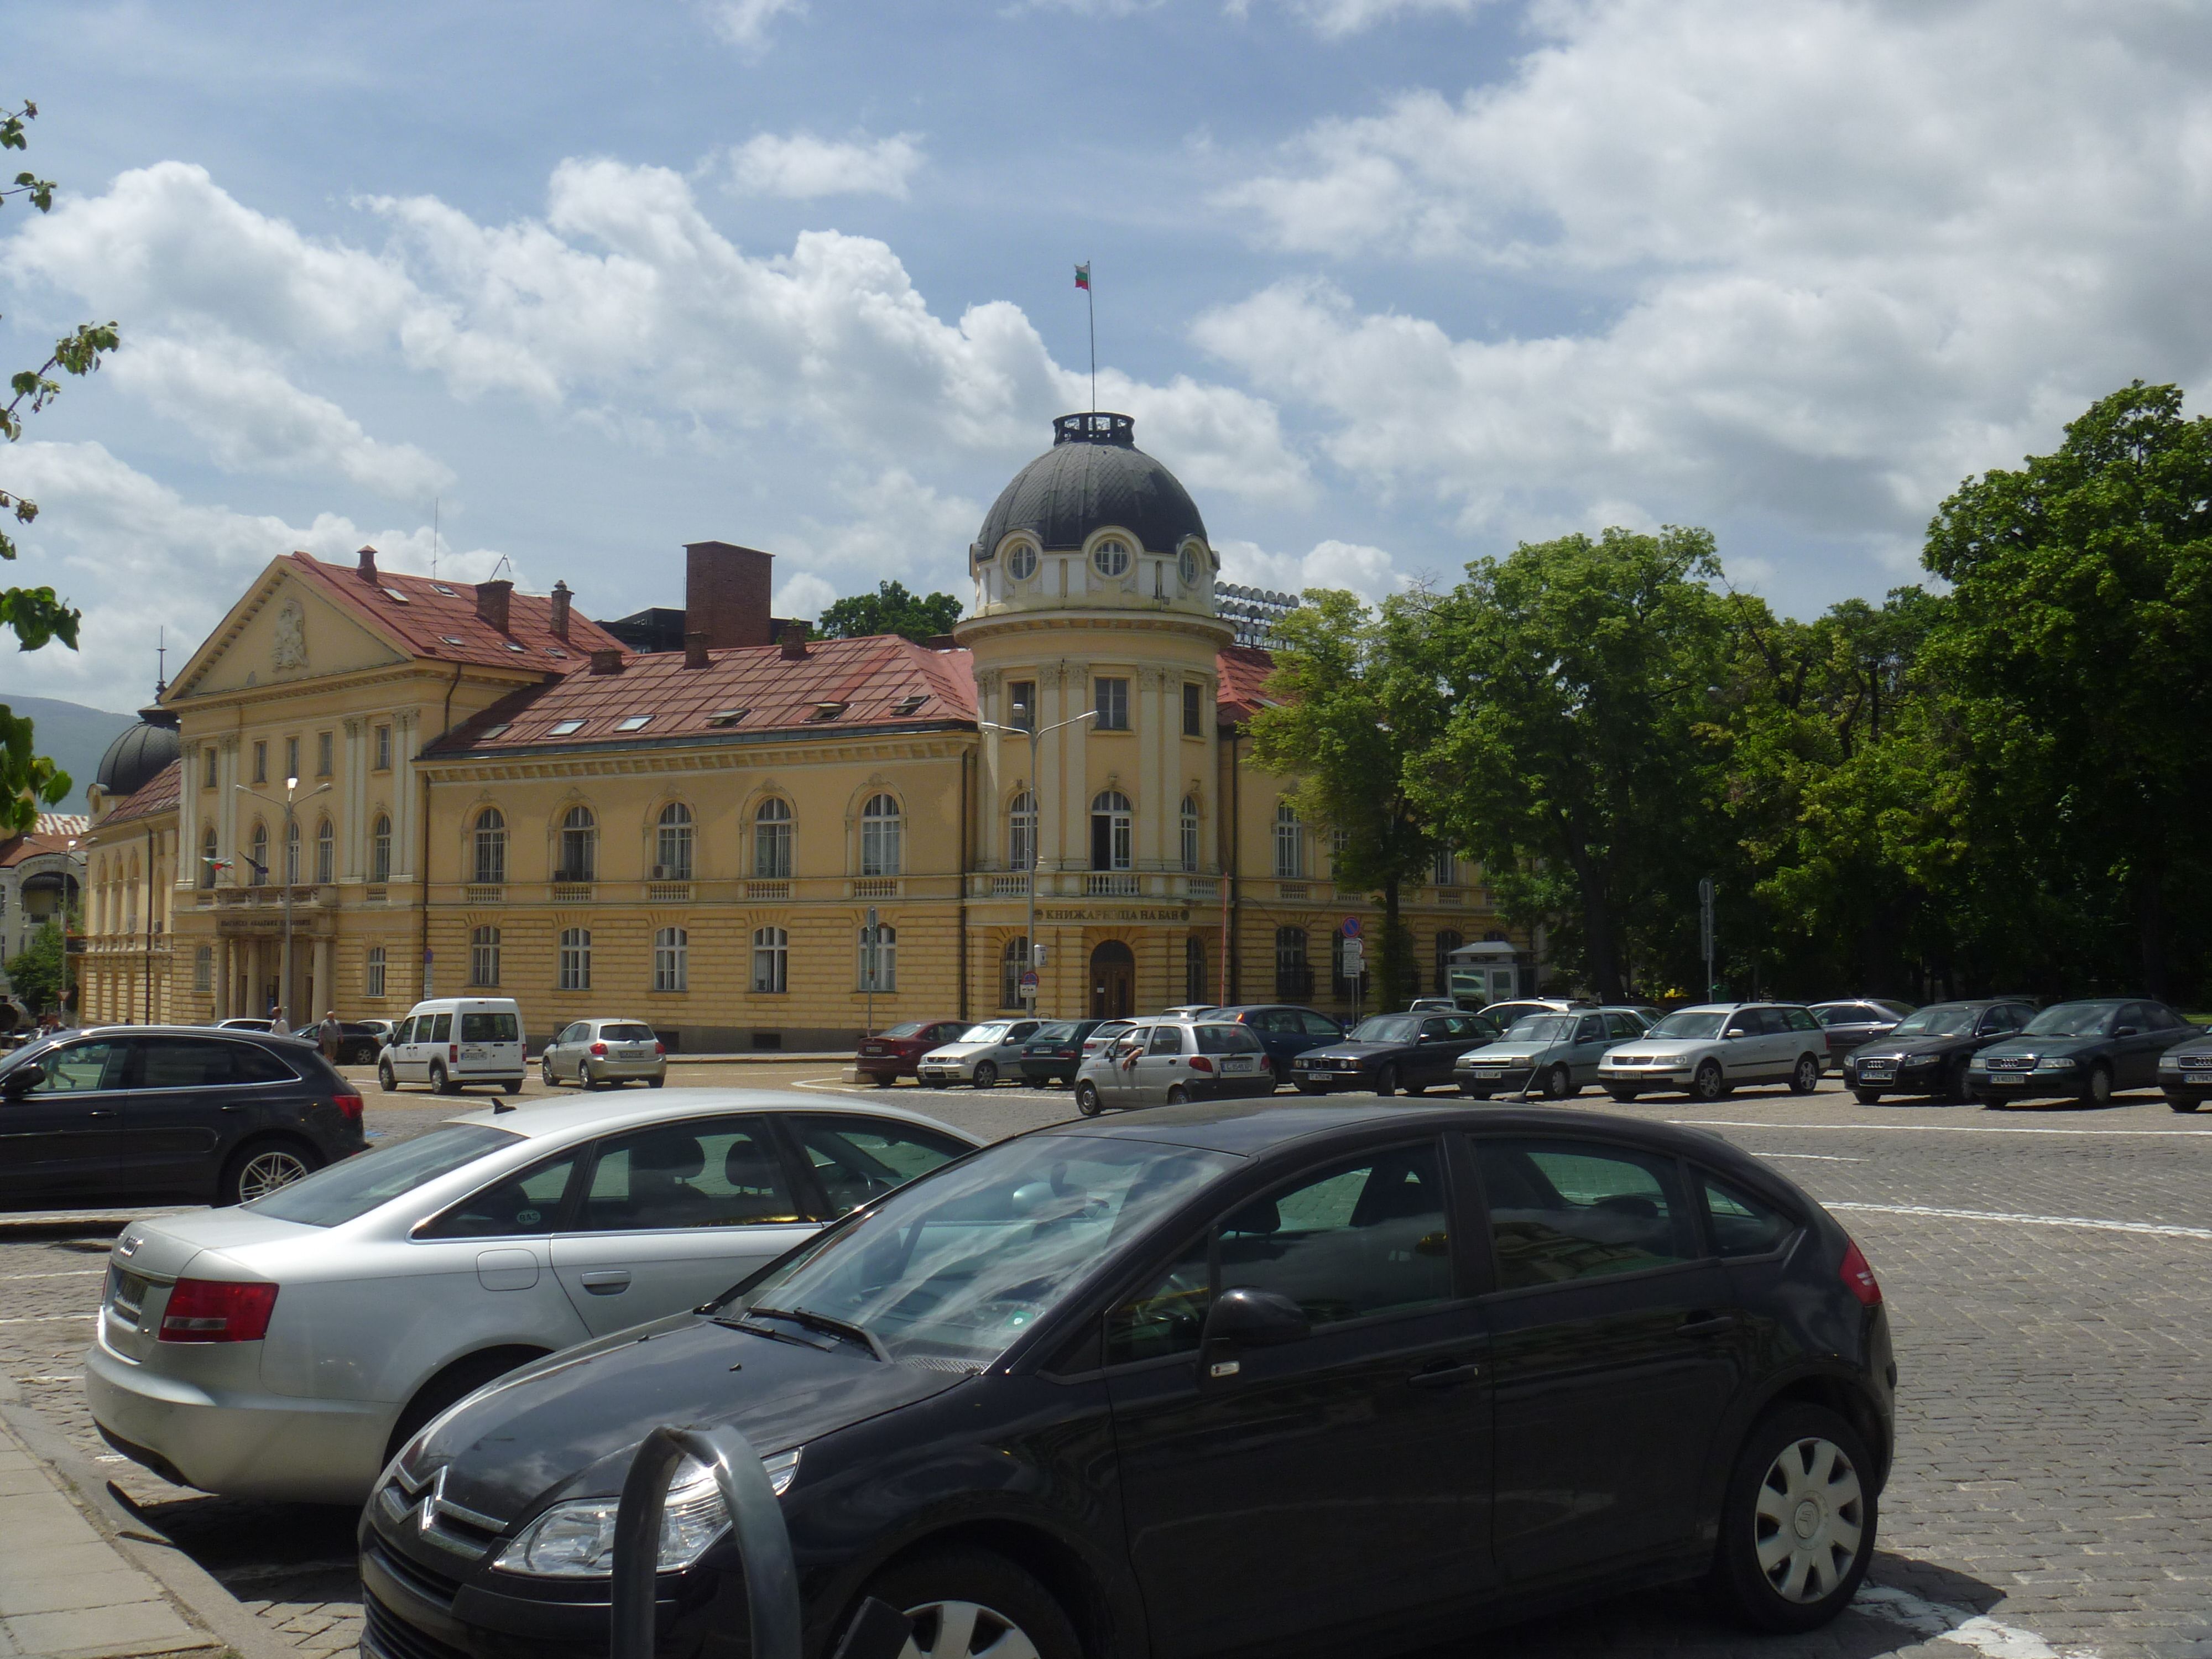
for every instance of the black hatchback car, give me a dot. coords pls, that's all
(1312, 1376)
(1927, 1052)
(1285, 1029)
(1054, 1053)
(1392, 1052)
(168, 1115)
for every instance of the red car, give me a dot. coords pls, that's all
(889, 1055)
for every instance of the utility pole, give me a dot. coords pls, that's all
(1024, 712)
(289, 806)
(1705, 931)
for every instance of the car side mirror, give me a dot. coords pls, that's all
(2128, 1030)
(1246, 1318)
(20, 1082)
(1733, 1032)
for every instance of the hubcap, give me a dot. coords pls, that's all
(266, 1173)
(964, 1629)
(1810, 1517)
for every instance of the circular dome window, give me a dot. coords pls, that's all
(1188, 566)
(1022, 562)
(1111, 557)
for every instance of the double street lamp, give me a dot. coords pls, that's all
(1023, 713)
(290, 855)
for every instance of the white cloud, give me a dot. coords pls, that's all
(1367, 571)
(801, 166)
(1840, 253)
(744, 23)
(805, 596)
(896, 527)
(252, 419)
(1335, 19)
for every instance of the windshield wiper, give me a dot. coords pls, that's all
(829, 1325)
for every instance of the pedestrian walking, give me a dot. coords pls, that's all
(278, 1025)
(328, 1033)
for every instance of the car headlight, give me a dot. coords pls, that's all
(2054, 1063)
(1670, 1060)
(576, 1540)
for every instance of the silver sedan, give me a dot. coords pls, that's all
(287, 1348)
(601, 1054)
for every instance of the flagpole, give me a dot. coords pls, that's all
(1091, 304)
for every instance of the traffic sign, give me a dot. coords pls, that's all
(1028, 982)
(1350, 928)
(1355, 957)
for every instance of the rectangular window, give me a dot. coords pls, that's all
(372, 978)
(1193, 712)
(1021, 704)
(483, 957)
(575, 958)
(383, 749)
(322, 754)
(771, 960)
(1112, 704)
(203, 967)
(879, 959)
(1445, 868)
(291, 757)
(208, 763)
(260, 761)
(671, 960)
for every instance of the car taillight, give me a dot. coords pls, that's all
(1858, 1278)
(217, 1310)
(1065, 1053)
(453, 1054)
(1201, 1063)
(659, 1052)
(599, 1051)
(349, 1105)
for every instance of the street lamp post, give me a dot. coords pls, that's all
(288, 805)
(1036, 821)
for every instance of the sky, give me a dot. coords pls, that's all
(1390, 284)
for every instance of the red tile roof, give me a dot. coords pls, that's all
(439, 619)
(1243, 670)
(32, 844)
(159, 793)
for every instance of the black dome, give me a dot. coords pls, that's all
(1093, 475)
(138, 753)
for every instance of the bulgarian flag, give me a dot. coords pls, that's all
(1082, 276)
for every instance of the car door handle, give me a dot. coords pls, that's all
(1445, 1377)
(606, 1281)
(1705, 1324)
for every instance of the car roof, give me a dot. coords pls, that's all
(229, 1033)
(559, 1116)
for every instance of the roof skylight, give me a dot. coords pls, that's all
(633, 723)
(491, 732)
(452, 639)
(727, 716)
(828, 711)
(907, 705)
(395, 596)
(562, 728)
(440, 587)
(511, 645)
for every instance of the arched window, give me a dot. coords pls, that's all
(771, 960)
(575, 958)
(208, 856)
(1111, 837)
(1189, 826)
(1290, 844)
(292, 854)
(1194, 970)
(380, 849)
(671, 960)
(483, 957)
(1012, 961)
(772, 841)
(671, 848)
(580, 845)
(880, 851)
(1021, 832)
(879, 960)
(258, 874)
(1447, 942)
(491, 848)
(1293, 974)
(326, 853)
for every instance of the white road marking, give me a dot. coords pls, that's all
(73, 1272)
(1815, 1158)
(2155, 1228)
(48, 1319)
(1948, 1624)
(2204, 1134)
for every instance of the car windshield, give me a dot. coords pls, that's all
(357, 1185)
(984, 1034)
(949, 1271)
(1943, 1020)
(1690, 1023)
(2071, 1019)
(1063, 1032)
(627, 1033)
(1388, 1028)
(1541, 1028)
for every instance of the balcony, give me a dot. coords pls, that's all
(1201, 887)
(876, 887)
(1016, 886)
(767, 890)
(484, 892)
(571, 892)
(1110, 883)
(668, 892)
(1296, 891)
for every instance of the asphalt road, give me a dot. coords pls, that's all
(2049, 1277)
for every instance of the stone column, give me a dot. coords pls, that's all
(406, 834)
(326, 986)
(226, 806)
(353, 804)
(1151, 804)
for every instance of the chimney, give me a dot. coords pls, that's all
(561, 598)
(695, 648)
(795, 641)
(725, 594)
(492, 601)
(606, 662)
(367, 572)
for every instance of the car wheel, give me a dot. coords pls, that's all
(1624, 1095)
(1086, 1099)
(2183, 1103)
(656, 1082)
(1560, 1084)
(256, 1171)
(545, 1072)
(1805, 1077)
(986, 1074)
(2101, 1086)
(384, 1079)
(1797, 1525)
(440, 1083)
(1386, 1081)
(1312, 1089)
(971, 1604)
(513, 1086)
(1954, 1082)
(452, 1385)
(882, 1079)
(1706, 1083)
(1178, 1096)
(1867, 1097)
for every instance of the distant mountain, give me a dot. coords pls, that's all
(77, 737)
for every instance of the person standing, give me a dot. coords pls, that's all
(278, 1025)
(328, 1033)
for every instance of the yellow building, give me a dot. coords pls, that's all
(494, 793)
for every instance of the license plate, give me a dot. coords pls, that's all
(1883, 1073)
(1487, 1075)
(1245, 1063)
(631, 1054)
(2010, 1080)
(126, 1295)
(874, 1049)
(469, 1051)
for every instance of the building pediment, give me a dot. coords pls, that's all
(281, 632)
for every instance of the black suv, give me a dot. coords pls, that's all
(123, 1115)
(1314, 1376)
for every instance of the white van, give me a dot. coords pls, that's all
(453, 1042)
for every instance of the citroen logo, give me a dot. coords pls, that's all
(433, 1501)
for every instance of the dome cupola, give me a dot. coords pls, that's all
(138, 753)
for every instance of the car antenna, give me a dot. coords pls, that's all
(499, 1106)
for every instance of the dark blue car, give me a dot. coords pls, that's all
(1283, 1029)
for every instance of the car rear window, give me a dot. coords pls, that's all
(491, 1027)
(1226, 1039)
(358, 1185)
(627, 1033)
(907, 1028)
(1063, 1032)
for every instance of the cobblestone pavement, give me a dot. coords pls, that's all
(2049, 1277)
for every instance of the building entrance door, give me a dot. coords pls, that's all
(1113, 981)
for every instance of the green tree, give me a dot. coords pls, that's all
(891, 610)
(35, 972)
(1356, 703)
(1580, 760)
(2075, 667)
(27, 778)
